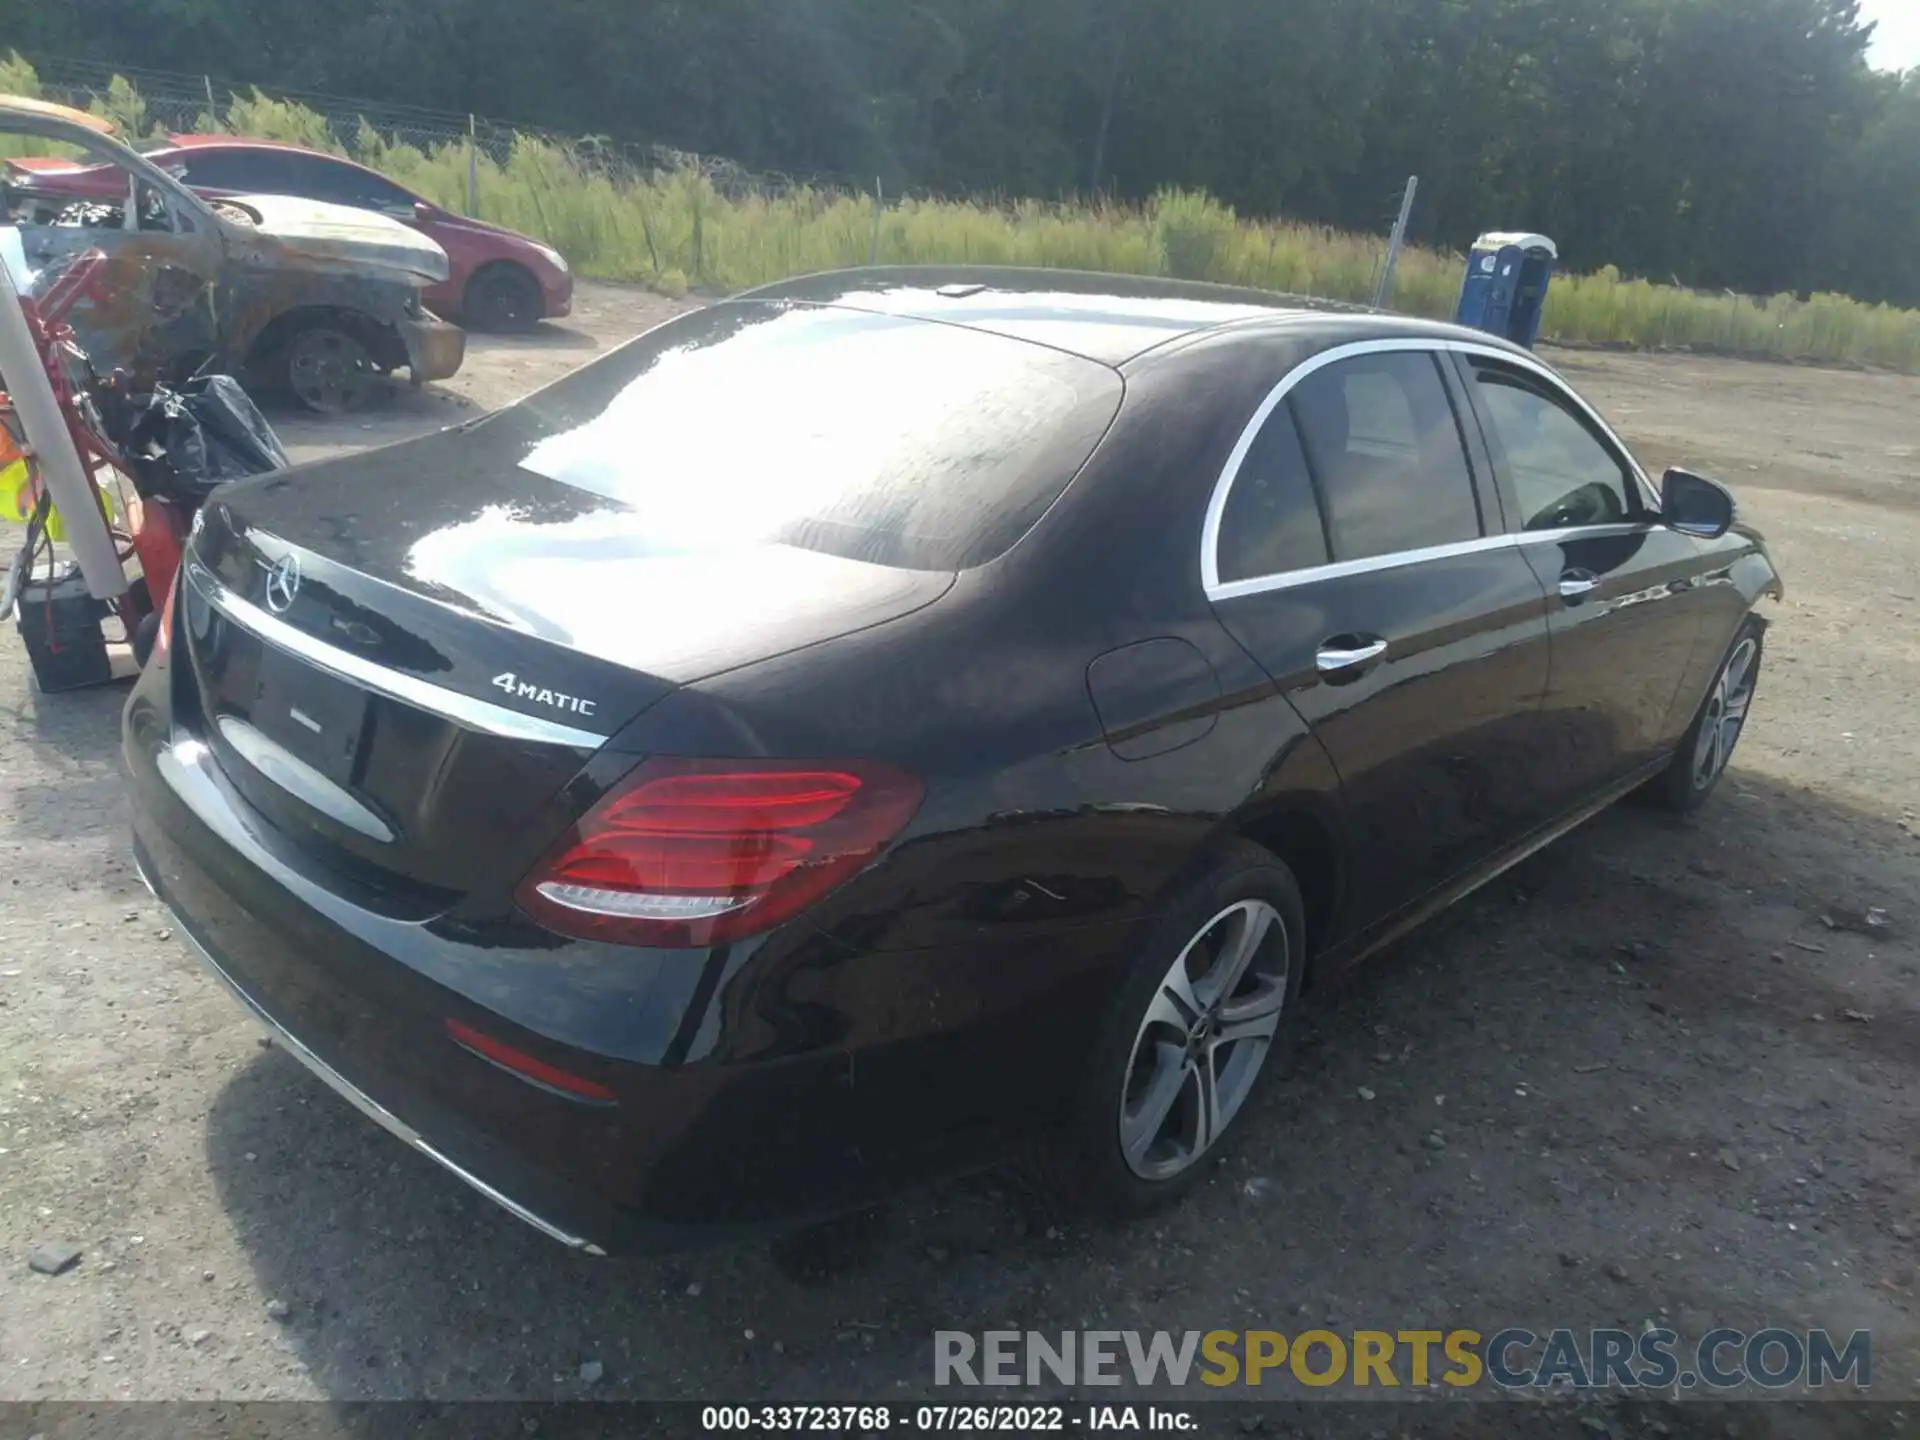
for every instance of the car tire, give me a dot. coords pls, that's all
(147, 628)
(503, 299)
(331, 370)
(1165, 1046)
(1705, 750)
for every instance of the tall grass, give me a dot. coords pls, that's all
(675, 228)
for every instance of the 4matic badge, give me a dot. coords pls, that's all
(523, 690)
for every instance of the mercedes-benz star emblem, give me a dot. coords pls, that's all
(283, 583)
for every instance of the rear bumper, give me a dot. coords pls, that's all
(435, 349)
(558, 291)
(758, 1086)
(350, 1092)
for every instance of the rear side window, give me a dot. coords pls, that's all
(1271, 523)
(874, 437)
(349, 185)
(235, 170)
(1564, 475)
(1384, 445)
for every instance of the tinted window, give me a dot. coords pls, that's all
(349, 185)
(266, 172)
(895, 441)
(1271, 523)
(236, 170)
(1384, 444)
(1562, 473)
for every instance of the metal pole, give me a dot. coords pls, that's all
(879, 207)
(1384, 292)
(65, 477)
(213, 110)
(1106, 106)
(473, 172)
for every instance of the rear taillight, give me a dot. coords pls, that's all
(527, 1067)
(700, 852)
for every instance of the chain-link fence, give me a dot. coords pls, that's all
(169, 102)
(624, 209)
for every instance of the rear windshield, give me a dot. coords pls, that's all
(893, 441)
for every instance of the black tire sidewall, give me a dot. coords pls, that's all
(489, 296)
(1086, 1167)
(290, 348)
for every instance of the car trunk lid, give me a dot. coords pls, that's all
(403, 659)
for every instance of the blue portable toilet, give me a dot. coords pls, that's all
(1506, 287)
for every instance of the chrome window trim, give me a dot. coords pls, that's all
(463, 710)
(1288, 579)
(1217, 589)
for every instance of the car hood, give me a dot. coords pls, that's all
(337, 234)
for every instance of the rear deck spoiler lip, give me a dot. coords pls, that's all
(464, 710)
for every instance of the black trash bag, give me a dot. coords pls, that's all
(183, 443)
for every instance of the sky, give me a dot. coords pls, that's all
(1896, 44)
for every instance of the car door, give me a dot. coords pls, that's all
(1355, 552)
(1625, 614)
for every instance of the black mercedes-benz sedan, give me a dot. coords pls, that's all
(896, 721)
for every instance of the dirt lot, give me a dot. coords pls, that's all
(1668, 1089)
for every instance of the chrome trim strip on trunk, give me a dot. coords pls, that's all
(481, 715)
(351, 1093)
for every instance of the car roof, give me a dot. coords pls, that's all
(247, 142)
(1107, 318)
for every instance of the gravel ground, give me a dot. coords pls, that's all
(1672, 1067)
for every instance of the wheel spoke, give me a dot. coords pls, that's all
(1705, 750)
(1175, 1005)
(1256, 1017)
(1736, 710)
(1172, 1071)
(1207, 1120)
(1251, 927)
(1737, 669)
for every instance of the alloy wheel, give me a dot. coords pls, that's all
(1726, 712)
(1204, 1039)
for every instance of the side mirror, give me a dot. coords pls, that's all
(1695, 505)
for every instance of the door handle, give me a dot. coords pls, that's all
(1575, 583)
(1346, 653)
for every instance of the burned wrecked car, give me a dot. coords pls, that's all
(315, 300)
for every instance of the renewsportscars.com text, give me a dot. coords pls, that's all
(1512, 1359)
